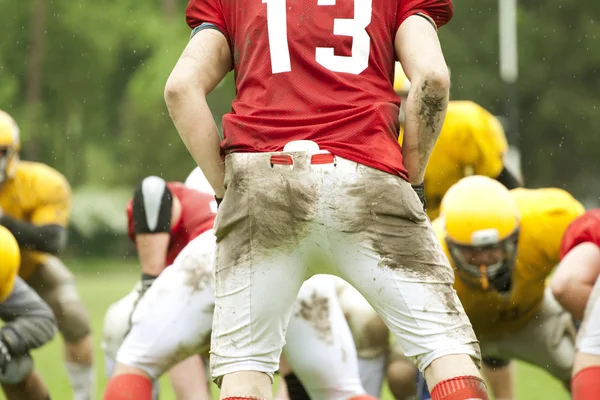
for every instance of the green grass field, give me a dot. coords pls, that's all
(100, 289)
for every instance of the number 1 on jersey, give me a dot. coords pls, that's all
(277, 31)
(355, 27)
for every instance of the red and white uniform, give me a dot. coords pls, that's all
(584, 229)
(198, 211)
(319, 70)
(174, 318)
(315, 76)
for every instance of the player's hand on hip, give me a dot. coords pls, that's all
(420, 191)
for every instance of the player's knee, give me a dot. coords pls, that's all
(402, 378)
(17, 370)
(56, 286)
(72, 317)
(371, 335)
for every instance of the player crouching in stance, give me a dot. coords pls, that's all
(504, 245)
(29, 324)
(173, 320)
(35, 202)
(576, 285)
(163, 219)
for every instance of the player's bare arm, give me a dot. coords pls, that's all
(155, 210)
(575, 276)
(203, 64)
(418, 49)
(50, 238)
(152, 252)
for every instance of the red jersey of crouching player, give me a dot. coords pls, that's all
(331, 82)
(586, 228)
(197, 216)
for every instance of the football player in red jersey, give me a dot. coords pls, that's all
(314, 180)
(163, 218)
(576, 286)
(148, 335)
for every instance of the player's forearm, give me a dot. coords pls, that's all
(45, 238)
(152, 252)
(418, 49)
(30, 322)
(508, 179)
(194, 122)
(425, 111)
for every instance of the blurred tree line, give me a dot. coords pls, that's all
(85, 80)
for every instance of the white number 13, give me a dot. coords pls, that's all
(355, 27)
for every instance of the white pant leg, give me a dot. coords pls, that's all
(117, 322)
(278, 222)
(588, 339)
(173, 320)
(384, 245)
(319, 345)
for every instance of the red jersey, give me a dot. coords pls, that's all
(318, 70)
(197, 216)
(586, 228)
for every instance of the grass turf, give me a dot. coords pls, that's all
(102, 282)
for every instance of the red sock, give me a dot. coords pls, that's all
(585, 385)
(460, 388)
(128, 387)
(243, 398)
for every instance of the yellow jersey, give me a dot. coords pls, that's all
(39, 195)
(545, 215)
(472, 142)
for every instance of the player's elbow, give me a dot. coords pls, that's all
(175, 89)
(55, 239)
(561, 286)
(435, 78)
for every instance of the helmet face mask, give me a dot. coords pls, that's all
(487, 266)
(9, 146)
(7, 158)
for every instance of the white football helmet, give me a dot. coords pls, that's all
(196, 180)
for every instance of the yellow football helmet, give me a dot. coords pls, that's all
(10, 260)
(10, 145)
(481, 222)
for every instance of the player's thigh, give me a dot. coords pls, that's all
(319, 346)
(371, 335)
(588, 338)
(387, 249)
(173, 319)
(56, 286)
(259, 266)
(548, 340)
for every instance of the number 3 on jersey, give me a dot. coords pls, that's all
(354, 27)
